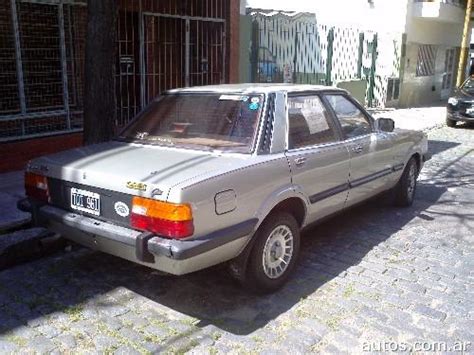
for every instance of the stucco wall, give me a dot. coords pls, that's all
(423, 89)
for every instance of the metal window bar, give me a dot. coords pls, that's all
(425, 65)
(43, 83)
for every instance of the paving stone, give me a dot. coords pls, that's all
(67, 341)
(42, 344)
(429, 312)
(126, 350)
(104, 342)
(7, 347)
(49, 331)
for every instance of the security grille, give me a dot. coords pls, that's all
(449, 62)
(165, 45)
(42, 67)
(160, 45)
(425, 65)
(9, 99)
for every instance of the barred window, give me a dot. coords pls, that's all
(393, 89)
(425, 65)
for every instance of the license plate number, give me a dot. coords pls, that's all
(85, 201)
(470, 110)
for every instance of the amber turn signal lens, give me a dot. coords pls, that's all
(162, 210)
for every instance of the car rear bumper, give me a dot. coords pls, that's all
(168, 255)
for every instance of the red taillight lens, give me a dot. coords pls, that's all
(163, 218)
(36, 186)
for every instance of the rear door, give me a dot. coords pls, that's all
(318, 158)
(370, 153)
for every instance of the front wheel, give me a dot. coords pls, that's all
(406, 187)
(450, 123)
(274, 254)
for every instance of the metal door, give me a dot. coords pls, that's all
(448, 75)
(181, 51)
(164, 55)
(207, 52)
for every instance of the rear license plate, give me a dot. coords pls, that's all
(470, 110)
(85, 201)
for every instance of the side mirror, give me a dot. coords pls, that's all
(386, 124)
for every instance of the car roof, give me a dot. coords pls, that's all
(254, 87)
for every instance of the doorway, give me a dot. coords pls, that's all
(448, 75)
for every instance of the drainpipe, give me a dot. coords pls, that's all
(464, 45)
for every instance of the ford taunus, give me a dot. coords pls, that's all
(227, 173)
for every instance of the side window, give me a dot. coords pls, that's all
(309, 122)
(353, 122)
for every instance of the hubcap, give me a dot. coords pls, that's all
(411, 181)
(277, 251)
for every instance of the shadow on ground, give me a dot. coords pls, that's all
(211, 296)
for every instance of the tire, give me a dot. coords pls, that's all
(406, 187)
(450, 123)
(264, 274)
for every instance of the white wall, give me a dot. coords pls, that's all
(381, 15)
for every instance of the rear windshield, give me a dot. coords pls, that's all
(200, 121)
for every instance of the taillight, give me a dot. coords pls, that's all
(165, 219)
(36, 186)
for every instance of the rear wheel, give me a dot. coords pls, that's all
(274, 254)
(406, 187)
(450, 123)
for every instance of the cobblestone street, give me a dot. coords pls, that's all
(373, 275)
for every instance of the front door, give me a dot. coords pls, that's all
(448, 75)
(371, 157)
(181, 51)
(318, 158)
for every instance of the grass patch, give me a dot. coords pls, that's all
(74, 313)
(348, 291)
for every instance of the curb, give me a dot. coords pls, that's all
(27, 245)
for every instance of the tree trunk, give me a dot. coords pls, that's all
(99, 94)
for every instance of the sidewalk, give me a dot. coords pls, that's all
(420, 118)
(11, 190)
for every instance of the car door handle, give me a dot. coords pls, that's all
(357, 149)
(300, 161)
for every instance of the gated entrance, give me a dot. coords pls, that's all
(168, 51)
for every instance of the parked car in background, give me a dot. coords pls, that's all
(461, 105)
(227, 173)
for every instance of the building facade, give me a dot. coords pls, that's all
(417, 47)
(161, 44)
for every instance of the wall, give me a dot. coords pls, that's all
(353, 13)
(425, 90)
(15, 155)
(245, 49)
(234, 40)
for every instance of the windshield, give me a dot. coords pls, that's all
(468, 85)
(202, 121)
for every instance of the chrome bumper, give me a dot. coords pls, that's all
(168, 255)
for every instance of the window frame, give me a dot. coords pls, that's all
(369, 118)
(335, 126)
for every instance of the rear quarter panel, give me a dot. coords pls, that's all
(258, 187)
